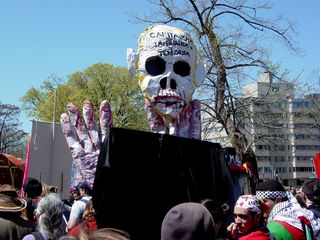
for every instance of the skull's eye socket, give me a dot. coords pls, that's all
(181, 68)
(155, 66)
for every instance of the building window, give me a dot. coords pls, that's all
(281, 169)
(263, 158)
(307, 136)
(303, 158)
(267, 169)
(303, 169)
(275, 89)
(281, 104)
(307, 147)
(279, 158)
(263, 147)
(280, 148)
(300, 104)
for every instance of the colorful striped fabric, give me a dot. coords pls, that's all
(290, 212)
(284, 231)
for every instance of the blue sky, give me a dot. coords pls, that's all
(39, 38)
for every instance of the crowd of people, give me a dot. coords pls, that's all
(272, 213)
(41, 214)
(276, 213)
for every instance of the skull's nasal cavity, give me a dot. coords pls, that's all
(173, 84)
(163, 83)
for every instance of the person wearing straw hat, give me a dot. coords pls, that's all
(12, 225)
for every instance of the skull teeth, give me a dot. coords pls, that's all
(167, 96)
(167, 100)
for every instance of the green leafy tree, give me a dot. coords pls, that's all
(96, 83)
(38, 103)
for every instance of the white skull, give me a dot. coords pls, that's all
(167, 68)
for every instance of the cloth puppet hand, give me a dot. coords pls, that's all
(187, 124)
(84, 139)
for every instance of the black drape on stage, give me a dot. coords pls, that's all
(141, 175)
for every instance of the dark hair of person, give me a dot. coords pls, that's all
(300, 200)
(53, 189)
(74, 195)
(311, 188)
(219, 214)
(32, 187)
(272, 186)
(88, 192)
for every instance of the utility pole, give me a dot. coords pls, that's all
(54, 113)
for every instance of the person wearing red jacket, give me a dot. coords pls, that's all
(248, 220)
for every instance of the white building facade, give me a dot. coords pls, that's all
(283, 129)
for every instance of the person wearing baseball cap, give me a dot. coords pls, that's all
(79, 206)
(248, 220)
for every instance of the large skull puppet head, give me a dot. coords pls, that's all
(167, 67)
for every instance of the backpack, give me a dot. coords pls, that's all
(37, 236)
(83, 200)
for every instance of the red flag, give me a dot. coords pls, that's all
(26, 169)
(316, 163)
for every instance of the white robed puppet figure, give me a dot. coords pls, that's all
(168, 70)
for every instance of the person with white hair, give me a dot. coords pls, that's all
(50, 220)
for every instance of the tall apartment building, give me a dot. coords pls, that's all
(283, 130)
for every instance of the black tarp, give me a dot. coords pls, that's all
(141, 175)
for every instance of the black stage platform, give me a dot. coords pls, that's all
(141, 175)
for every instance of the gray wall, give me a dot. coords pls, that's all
(50, 157)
